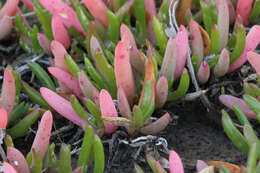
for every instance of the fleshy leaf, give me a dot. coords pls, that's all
(7, 168)
(6, 25)
(60, 34)
(156, 126)
(9, 9)
(45, 43)
(62, 106)
(229, 100)
(169, 60)
(67, 79)
(98, 9)
(42, 138)
(161, 92)
(108, 109)
(87, 88)
(175, 163)
(95, 46)
(8, 92)
(3, 118)
(254, 60)
(182, 49)
(135, 57)
(203, 72)
(150, 9)
(252, 41)
(222, 66)
(15, 156)
(59, 52)
(123, 104)
(223, 23)
(244, 9)
(66, 14)
(123, 71)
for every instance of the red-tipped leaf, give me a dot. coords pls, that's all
(252, 41)
(68, 80)
(161, 92)
(182, 51)
(66, 14)
(44, 42)
(203, 72)
(244, 9)
(229, 100)
(42, 138)
(17, 160)
(157, 126)
(108, 109)
(222, 66)
(62, 106)
(8, 92)
(60, 34)
(254, 60)
(98, 9)
(123, 71)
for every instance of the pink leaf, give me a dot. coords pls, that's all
(135, 57)
(175, 163)
(203, 72)
(252, 40)
(67, 79)
(98, 9)
(62, 106)
(229, 100)
(7, 168)
(3, 118)
(123, 71)
(15, 156)
(95, 47)
(9, 9)
(222, 66)
(157, 126)
(150, 9)
(169, 60)
(87, 88)
(8, 92)
(59, 32)
(6, 25)
(42, 138)
(182, 49)
(123, 104)
(59, 52)
(44, 42)
(28, 3)
(223, 23)
(196, 41)
(66, 14)
(244, 9)
(161, 92)
(108, 109)
(254, 60)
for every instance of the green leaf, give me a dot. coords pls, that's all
(99, 157)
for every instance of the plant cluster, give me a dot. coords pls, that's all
(116, 62)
